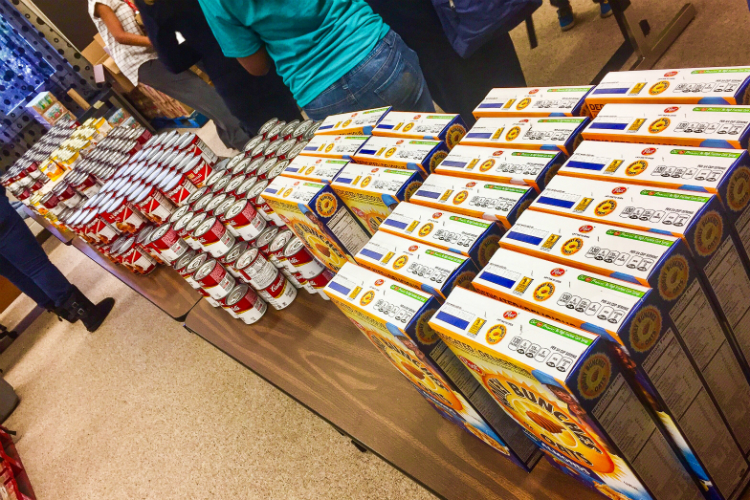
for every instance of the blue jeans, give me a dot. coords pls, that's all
(389, 76)
(24, 263)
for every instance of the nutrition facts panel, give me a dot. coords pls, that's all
(631, 428)
(347, 230)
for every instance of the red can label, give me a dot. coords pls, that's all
(180, 193)
(138, 261)
(321, 280)
(102, 232)
(128, 220)
(200, 173)
(157, 207)
(280, 294)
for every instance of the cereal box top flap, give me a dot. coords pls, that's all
(534, 99)
(339, 146)
(655, 164)
(411, 150)
(363, 120)
(543, 132)
(315, 167)
(462, 156)
(511, 334)
(657, 209)
(429, 123)
(290, 189)
(599, 302)
(435, 185)
(587, 245)
(701, 84)
(380, 180)
(405, 214)
(363, 289)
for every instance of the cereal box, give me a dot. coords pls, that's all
(512, 166)
(550, 134)
(314, 169)
(461, 234)
(682, 125)
(319, 218)
(631, 316)
(422, 266)
(534, 101)
(372, 193)
(411, 154)
(486, 200)
(357, 123)
(697, 218)
(708, 86)
(570, 392)
(408, 125)
(342, 147)
(724, 172)
(395, 318)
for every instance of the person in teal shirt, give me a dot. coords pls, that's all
(336, 56)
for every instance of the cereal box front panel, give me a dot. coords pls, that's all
(553, 134)
(342, 147)
(534, 101)
(357, 123)
(411, 154)
(405, 124)
(314, 169)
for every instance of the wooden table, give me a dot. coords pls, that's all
(63, 235)
(314, 354)
(166, 289)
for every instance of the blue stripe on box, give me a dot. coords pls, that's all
(526, 238)
(585, 165)
(497, 279)
(324, 127)
(479, 135)
(370, 253)
(339, 288)
(291, 169)
(271, 190)
(427, 194)
(395, 223)
(546, 200)
(608, 126)
(452, 320)
(367, 151)
(453, 163)
(611, 91)
(311, 148)
(492, 105)
(344, 181)
(384, 126)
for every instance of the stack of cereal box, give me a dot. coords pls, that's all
(614, 322)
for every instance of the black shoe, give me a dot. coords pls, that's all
(78, 306)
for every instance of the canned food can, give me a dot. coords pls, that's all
(302, 260)
(197, 195)
(197, 170)
(200, 205)
(243, 303)
(280, 294)
(236, 182)
(320, 281)
(177, 187)
(154, 205)
(214, 237)
(193, 224)
(210, 300)
(179, 213)
(215, 202)
(277, 169)
(312, 130)
(264, 239)
(250, 145)
(221, 185)
(135, 258)
(191, 143)
(300, 129)
(215, 177)
(232, 166)
(288, 129)
(276, 247)
(69, 195)
(230, 258)
(245, 220)
(221, 211)
(214, 279)
(53, 203)
(272, 150)
(263, 130)
(168, 243)
(275, 131)
(142, 239)
(255, 269)
(188, 272)
(295, 283)
(266, 167)
(245, 187)
(181, 226)
(123, 216)
(253, 166)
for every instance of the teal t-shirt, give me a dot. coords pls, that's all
(312, 42)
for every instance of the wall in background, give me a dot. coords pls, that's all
(71, 18)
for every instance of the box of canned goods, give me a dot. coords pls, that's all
(512, 166)
(534, 101)
(341, 147)
(709, 86)
(551, 134)
(410, 154)
(319, 218)
(428, 268)
(486, 200)
(357, 123)
(683, 125)
(570, 392)
(449, 128)
(461, 234)
(371, 193)
(395, 318)
(314, 169)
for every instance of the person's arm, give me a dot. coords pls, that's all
(109, 17)
(258, 64)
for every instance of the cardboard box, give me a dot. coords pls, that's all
(394, 318)
(449, 128)
(549, 134)
(635, 318)
(461, 234)
(411, 154)
(372, 193)
(314, 169)
(698, 219)
(708, 86)
(315, 213)
(511, 166)
(42, 102)
(357, 123)
(724, 172)
(568, 389)
(534, 101)
(686, 125)
(486, 200)
(341, 147)
(422, 266)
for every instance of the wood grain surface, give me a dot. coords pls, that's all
(313, 353)
(166, 289)
(61, 234)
